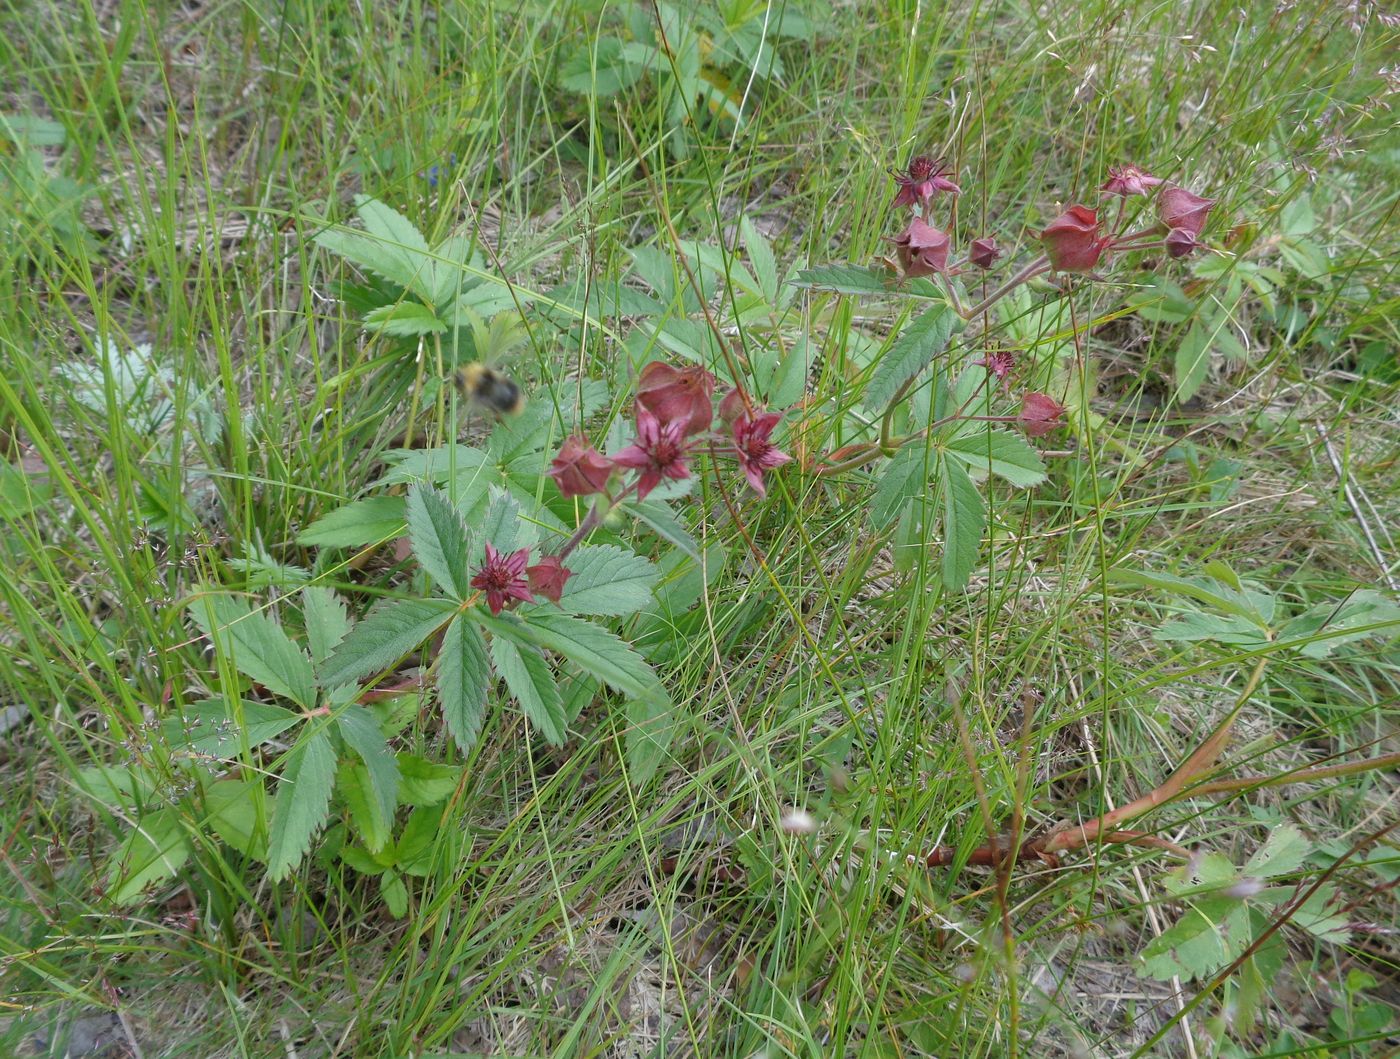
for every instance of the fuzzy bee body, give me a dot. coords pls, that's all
(490, 389)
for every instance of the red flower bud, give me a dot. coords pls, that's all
(922, 249)
(1040, 414)
(547, 577)
(983, 252)
(732, 407)
(1072, 240)
(1180, 242)
(677, 395)
(580, 469)
(1178, 208)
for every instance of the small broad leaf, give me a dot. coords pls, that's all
(303, 800)
(504, 527)
(1222, 628)
(215, 728)
(765, 266)
(423, 782)
(257, 646)
(1285, 851)
(1323, 916)
(845, 279)
(384, 636)
(1206, 938)
(395, 893)
(650, 731)
(439, 540)
(326, 621)
(905, 477)
(463, 677)
(354, 787)
(408, 319)
(1204, 590)
(909, 354)
(362, 734)
(607, 580)
(532, 685)
(232, 808)
(1327, 626)
(662, 521)
(1192, 360)
(368, 521)
(964, 520)
(1162, 302)
(999, 452)
(155, 850)
(600, 71)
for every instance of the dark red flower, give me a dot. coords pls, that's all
(1000, 362)
(502, 578)
(672, 394)
(919, 183)
(922, 249)
(1178, 208)
(1179, 242)
(1072, 240)
(757, 453)
(1040, 414)
(580, 469)
(548, 577)
(659, 452)
(983, 252)
(1128, 180)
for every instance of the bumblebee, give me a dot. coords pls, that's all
(490, 389)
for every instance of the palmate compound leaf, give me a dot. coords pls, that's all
(463, 677)
(303, 800)
(390, 245)
(439, 540)
(531, 684)
(257, 646)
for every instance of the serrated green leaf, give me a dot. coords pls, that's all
(384, 636)
(408, 319)
(651, 728)
(463, 677)
(1001, 453)
(1322, 916)
(909, 354)
(1222, 628)
(303, 801)
(601, 71)
(231, 808)
(1204, 940)
(845, 279)
(362, 734)
(257, 646)
(424, 782)
(1284, 851)
(532, 685)
(503, 526)
(607, 580)
(1192, 360)
(368, 521)
(214, 728)
(439, 540)
(662, 521)
(593, 649)
(964, 520)
(765, 266)
(905, 477)
(438, 465)
(326, 619)
(354, 787)
(155, 850)
(391, 247)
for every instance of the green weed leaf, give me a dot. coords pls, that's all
(607, 580)
(384, 636)
(964, 521)
(361, 522)
(463, 677)
(257, 646)
(527, 675)
(303, 800)
(909, 354)
(155, 850)
(439, 540)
